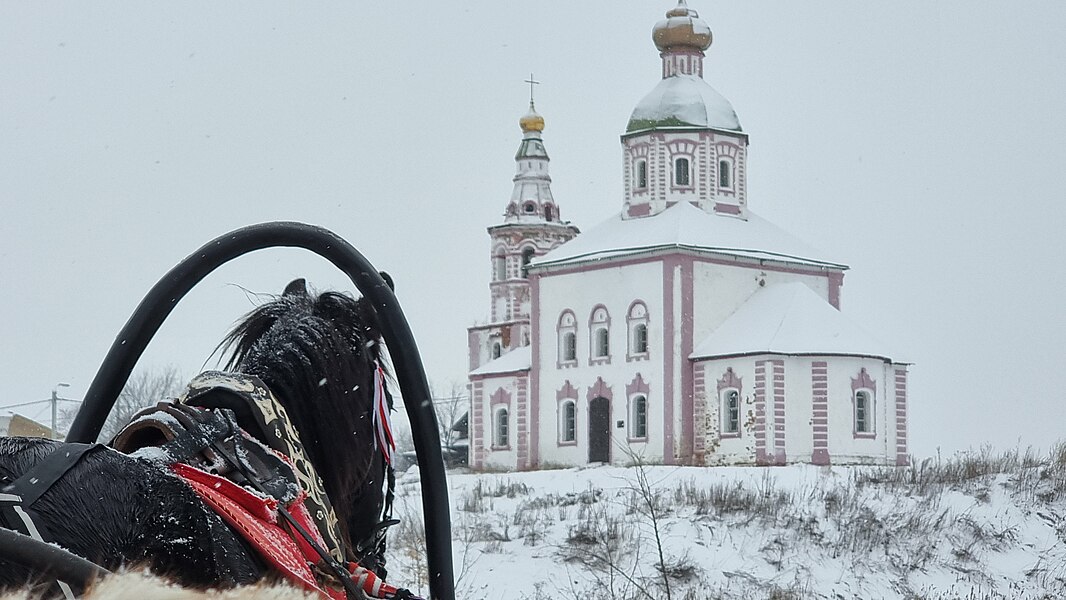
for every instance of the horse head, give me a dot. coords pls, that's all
(318, 355)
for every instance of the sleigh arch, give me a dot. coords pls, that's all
(158, 304)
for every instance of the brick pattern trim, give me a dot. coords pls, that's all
(699, 415)
(760, 413)
(779, 411)
(820, 405)
(522, 423)
(901, 418)
(477, 427)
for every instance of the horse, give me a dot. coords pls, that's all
(320, 356)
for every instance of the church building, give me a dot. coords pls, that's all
(684, 329)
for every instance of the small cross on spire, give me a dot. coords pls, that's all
(532, 82)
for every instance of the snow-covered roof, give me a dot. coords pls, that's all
(684, 226)
(789, 318)
(683, 101)
(519, 359)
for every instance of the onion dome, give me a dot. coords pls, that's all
(531, 121)
(682, 29)
(683, 101)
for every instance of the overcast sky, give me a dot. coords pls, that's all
(922, 143)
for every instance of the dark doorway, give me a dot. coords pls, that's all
(600, 430)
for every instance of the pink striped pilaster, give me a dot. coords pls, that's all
(820, 404)
(534, 372)
(901, 417)
(699, 415)
(760, 413)
(477, 423)
(522, 423)
(779, 411)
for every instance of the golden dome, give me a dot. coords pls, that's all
(682, 28)
(531, 121)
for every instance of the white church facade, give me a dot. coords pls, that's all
(683, 330)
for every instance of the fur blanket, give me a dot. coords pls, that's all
(138, 585)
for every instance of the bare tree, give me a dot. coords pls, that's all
(450, 403)
(144, 388)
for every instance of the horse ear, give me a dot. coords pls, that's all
(296, 287)
(388, 280)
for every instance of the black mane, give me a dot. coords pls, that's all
(318, 355)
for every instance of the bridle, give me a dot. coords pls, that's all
(407, 364)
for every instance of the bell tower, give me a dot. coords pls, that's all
(532, 226)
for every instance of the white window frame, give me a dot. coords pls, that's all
(729, 173)
(688, 172)
(501, 429)
(725, 396)
(637, 317)
(640, 174)
(870, 429)
(567, 428)
(599, 329)
(567, 324)
(634, 433)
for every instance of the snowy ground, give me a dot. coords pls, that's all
(977, 526)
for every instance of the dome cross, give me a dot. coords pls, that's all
(532, 82)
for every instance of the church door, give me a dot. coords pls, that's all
(600, 430)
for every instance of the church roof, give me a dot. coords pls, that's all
(683, 101)
(519, 359)
(789, 318)
(683, 226)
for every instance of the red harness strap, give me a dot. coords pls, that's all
(256, 518)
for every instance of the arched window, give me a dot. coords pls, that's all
(641, 181)
(599, 336)
(500, 431)
(863, 405)
(863, 412)
(637, 320)
(527, 256)
(638, 417)
(568, 421)
(725, 174)
(497, 350)
(499, 266)
(681, 173)
(548, 213)
(567, 333)
(730, 411)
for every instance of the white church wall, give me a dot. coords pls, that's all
(613, 288)
(719, 289)
(799, 417)
(720, 446)
(799, 420)
(497, 392)
(844, 444)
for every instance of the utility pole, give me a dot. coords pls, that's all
(55, 402)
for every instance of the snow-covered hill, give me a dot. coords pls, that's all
(974, 526)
